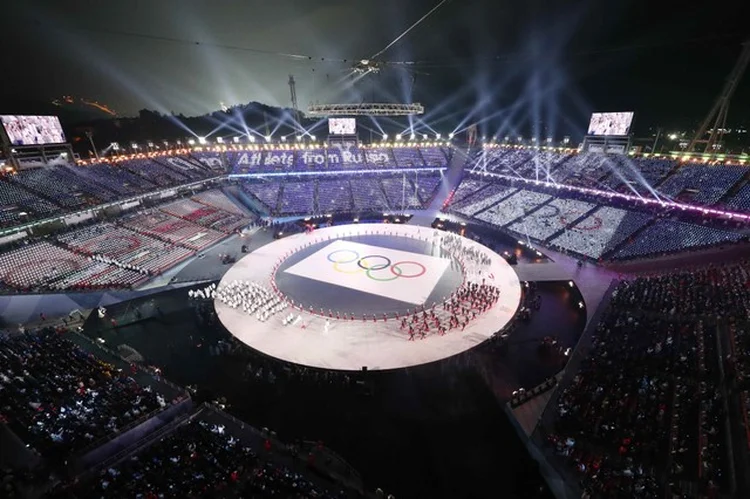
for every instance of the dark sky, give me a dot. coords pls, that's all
(526, 61)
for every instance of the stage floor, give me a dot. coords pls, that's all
(365, 270)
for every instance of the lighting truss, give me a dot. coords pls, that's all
(364, 109)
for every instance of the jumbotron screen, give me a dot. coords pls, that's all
(342, 126)
(33, 130)
(610, 123)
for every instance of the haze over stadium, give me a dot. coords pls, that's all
(374, 249)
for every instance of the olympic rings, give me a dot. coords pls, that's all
(356, 255)
(374, 267)
(339, 269)
(400, 272)
(364, 266)
(367, 273)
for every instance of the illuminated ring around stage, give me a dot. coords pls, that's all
(336, 262)
(379, 266)
(400, 273)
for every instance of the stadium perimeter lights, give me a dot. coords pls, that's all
(299, 138)
(252, 139)
(191, 142)
(398, 137)
(268, 138)
(424, 136)
(219, 140)
(201, 140)
(283, 138)
(437, 136)
(236, 140)
(412, 137)
(451, 135)
(364, 109)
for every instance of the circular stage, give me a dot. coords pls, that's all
(347, 290)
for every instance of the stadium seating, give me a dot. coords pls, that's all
(470, 206)
(60, 399)
(297, 197)
(645, 406)
(18, 205)
(63, 187)
(165, 227)
(212, 160)
(408, 157)
(667, 236)
(43, 265)
(426, 187)
(218, 199)
(551, 218)
(741, 200)
(400, 193)
(206, 459)
(601, 231)
(380, 157)
(205, 215)
(154, 172)
(124, 248)
(433, 156)
(507, 210)
(367, 194)
(707, 183)
(266, 192)
(334, 195)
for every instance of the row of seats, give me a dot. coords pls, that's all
(551, 218)
(42, 265)
(645, 407)
(304, 196)
(600, 232)
(338, 156)
(60, 399)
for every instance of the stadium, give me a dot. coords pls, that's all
(359, 301)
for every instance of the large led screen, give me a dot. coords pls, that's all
(610, 123)
(33, 130)
(342, 126)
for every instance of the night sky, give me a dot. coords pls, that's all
(526, 62)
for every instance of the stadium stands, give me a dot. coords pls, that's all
(400, 193)
(334, 195)
(60, 399)
(600, 232)
(297, 198)
(18, 205)
(124, 248)
(169, 228)
(551, 218)
(645, 407)
(42, 265)
(367, 192)
(470, 206)
(206, 458)
(702, 184)
(518, 204)
(667, 236)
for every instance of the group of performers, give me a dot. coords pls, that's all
(252, 298)
(464, 305)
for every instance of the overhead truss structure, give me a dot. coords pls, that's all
(364, 109)
(715, 123)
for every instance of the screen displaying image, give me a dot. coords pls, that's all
(342, 126)
(610, 123)
(33, 130)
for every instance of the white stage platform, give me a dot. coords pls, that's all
(353, 344)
